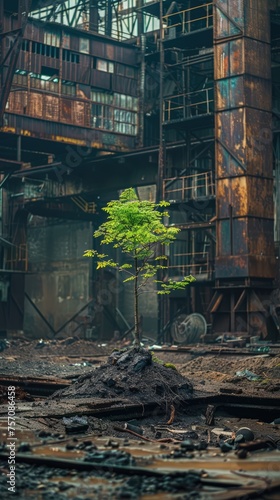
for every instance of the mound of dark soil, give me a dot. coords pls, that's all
(131, 374)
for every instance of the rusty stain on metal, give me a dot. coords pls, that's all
(243, 166)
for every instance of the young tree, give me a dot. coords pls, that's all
(136, 228)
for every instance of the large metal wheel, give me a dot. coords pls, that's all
(188, 329)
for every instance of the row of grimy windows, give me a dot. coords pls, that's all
(49, 83)
(100, 64)
(109, 111)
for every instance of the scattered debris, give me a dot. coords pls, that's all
(90, 433)
(249, 375)
(246, 434)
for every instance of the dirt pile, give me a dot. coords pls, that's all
(131, 374)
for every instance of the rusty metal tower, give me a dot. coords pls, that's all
(245, 260)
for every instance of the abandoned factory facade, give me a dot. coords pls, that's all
(180, 101)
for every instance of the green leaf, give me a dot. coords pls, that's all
(126, 266)
(131, 278)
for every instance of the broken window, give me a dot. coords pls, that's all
(102, 117)
(103, 65)
(114, 112)
(125, 122)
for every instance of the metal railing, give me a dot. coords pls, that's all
(189, 20)
(86, 206)
(193, 104)
(190, 187)
(196, 264)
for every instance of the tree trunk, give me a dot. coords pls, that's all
(136, 313)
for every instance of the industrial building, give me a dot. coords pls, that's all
(178, 100)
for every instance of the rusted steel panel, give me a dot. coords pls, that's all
(97, 48)
(258, 55)
(230, 60)
(51, 62)
(258, 93)
(242, 266)
(236, 91)
(35, 64)
(74, 42)
(260, 199)
(244, 141)
(230, 157)
(250, 16)
(223, 196)
(257, 19)
(125, 55)
(110, 52)
(239, 236)
(33, 31)
(70, 71)
(259, 142)
(124, 85)
(51, 107)
(245, 195)
(100, 79)
(238, 199)
(230, 266)
(35, 104)
(85, 60)
(231, 18)
(18, 102)
(114, 52)
(230, 93)
(223, 237)
(23, 60)
(66, 110)
(78, 113)
(84, 75)
(260, 234)
(69, 134)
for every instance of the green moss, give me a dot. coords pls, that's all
(160, 362)
(170, 365)
(157, 360)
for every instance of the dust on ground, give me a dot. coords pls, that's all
(73, 357)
